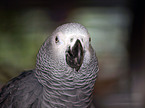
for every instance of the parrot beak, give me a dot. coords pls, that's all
(75, 55)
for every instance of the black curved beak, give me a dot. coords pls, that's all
(75, 55)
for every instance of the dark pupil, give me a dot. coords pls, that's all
(56, 40)
(89, 39)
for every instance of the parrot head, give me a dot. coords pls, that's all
(71, 41)
(67, 67)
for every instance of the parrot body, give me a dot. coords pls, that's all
(23, 91)
(64, 77)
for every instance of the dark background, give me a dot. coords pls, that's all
(117, 28)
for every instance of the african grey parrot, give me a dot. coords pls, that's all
(64, 76)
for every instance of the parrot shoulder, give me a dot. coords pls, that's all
(21, 92)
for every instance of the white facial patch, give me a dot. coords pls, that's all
(66, 35)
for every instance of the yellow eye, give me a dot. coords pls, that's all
(56, 40)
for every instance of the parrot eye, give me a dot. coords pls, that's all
(89, 39)
(56, 40)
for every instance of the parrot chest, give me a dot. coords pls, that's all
(75, 94)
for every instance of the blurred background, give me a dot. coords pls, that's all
(117, 28)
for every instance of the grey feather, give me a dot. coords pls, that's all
(23, 91)
(64, 76)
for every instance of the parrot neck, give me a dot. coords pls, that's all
(62, 85)
(65, 87)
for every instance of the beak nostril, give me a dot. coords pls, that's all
(71, 39)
